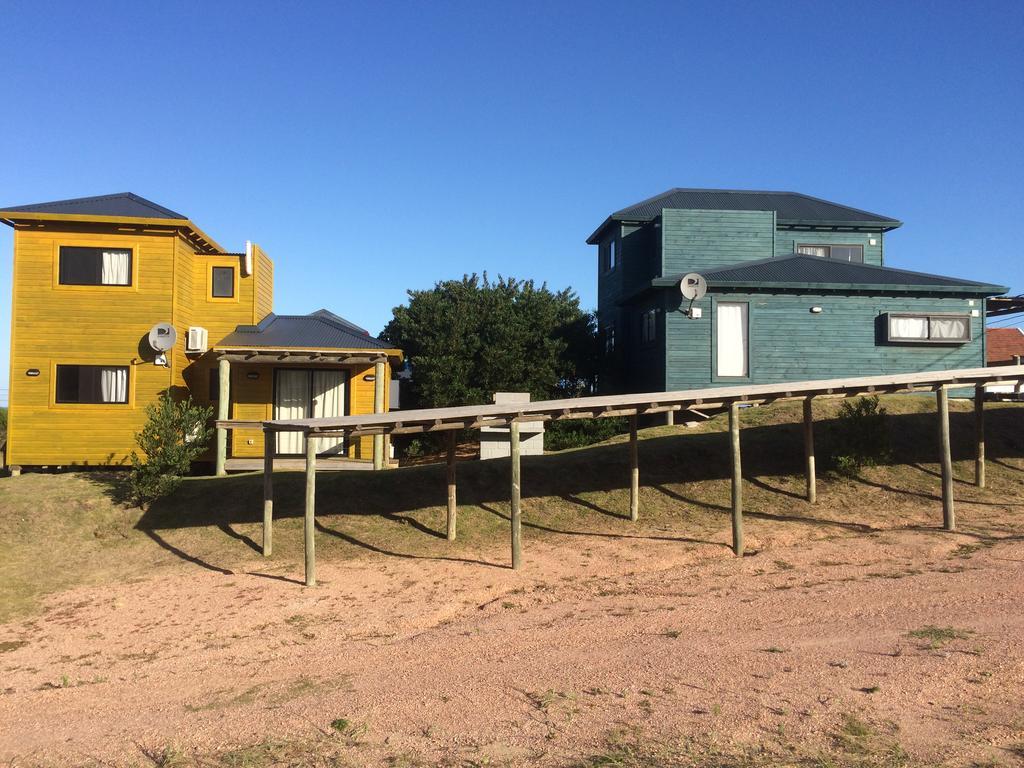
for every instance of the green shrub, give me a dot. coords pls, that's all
(861, 435)
(3, 422)
(579, 433)
(176, 433)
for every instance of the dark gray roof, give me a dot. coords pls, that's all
(319, 330)
(791, 208)
(120, 204)
(811, 272)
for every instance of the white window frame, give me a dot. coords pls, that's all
(745, 314)
(828, 248)
(928, 317)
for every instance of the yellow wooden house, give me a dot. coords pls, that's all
(102, 284)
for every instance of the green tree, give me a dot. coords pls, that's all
(467, 339)
(176, 433)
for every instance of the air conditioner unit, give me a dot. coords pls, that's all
(197, 340)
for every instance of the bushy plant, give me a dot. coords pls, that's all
(176, 433)
(579, 433)
(861, 435)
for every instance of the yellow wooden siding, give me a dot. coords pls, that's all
(99, 325)
(221, 316)
(264, 276)
(184, 308)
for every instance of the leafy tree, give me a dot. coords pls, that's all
(176, 433)
(467, 339)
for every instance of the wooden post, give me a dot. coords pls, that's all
(309, 523)
(979, 435)
(948, 513)
(513, 438)
(634, 472)
(812, 480)
(223, 412)
(269, 439)
(452, 502)
(378, 407)
(737, 480)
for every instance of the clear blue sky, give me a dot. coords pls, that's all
(377, 147)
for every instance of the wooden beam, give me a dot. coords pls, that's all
(452, 501)
(634, 472)
(378, 407)
(812, 480)
(979, 435)
(948, 512)
(268, 493)
(737, 480)
(515, 516)
(309, 523)
(223, 412)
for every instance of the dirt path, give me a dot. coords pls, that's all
(453, 661)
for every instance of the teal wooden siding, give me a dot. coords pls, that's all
(697, 240)
(786, 242)
(788, 343)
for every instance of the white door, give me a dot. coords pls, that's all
(329, 400)
(291, 401)
(732, 339)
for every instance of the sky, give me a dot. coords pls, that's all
(379, 147)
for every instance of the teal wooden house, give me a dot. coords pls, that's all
(798, 288)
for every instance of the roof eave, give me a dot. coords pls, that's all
(193, 233)
(595, 238)
(971, 290)
(883, 225)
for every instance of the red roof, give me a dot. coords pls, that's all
(1003, 344)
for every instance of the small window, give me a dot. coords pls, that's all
(95, 266)
(649, 326)
(609, 255)
(853, 253)
(609, 339)
(222, 285)
(92, 384)
(929, 329)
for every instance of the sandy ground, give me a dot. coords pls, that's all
(455, 661)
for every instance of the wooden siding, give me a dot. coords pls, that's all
(788, 343)
(786, 242)
(98, 325)
(693, 241)
(263, 269)
(220, 316)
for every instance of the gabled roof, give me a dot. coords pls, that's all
(319, 330)
(1003, 344)
(118, 208)
(791, 208)
(119, 204)
(801, 272)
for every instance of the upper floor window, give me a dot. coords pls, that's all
(609, 255)
(92, 384)
(935, 329)
(609, 339)
(80, 265)
(649, 326)
(222, 285)
(840, 252)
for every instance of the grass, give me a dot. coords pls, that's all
(63, 530)
(939, 637)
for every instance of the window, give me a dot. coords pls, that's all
(609, 256)
(732, 338)
(95, 266)
(649, 326)
(929, 329)
(92, 384)
(838, 252)
(222, 284)
(609, 339)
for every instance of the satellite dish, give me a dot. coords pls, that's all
(693, 286)
(162, 337)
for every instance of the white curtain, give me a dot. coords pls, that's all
(291, 401)
(732, 339)
(114, 385)
(813, 250)
(116, 268)
(908, 327)
(328, 401)
(949, 328)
